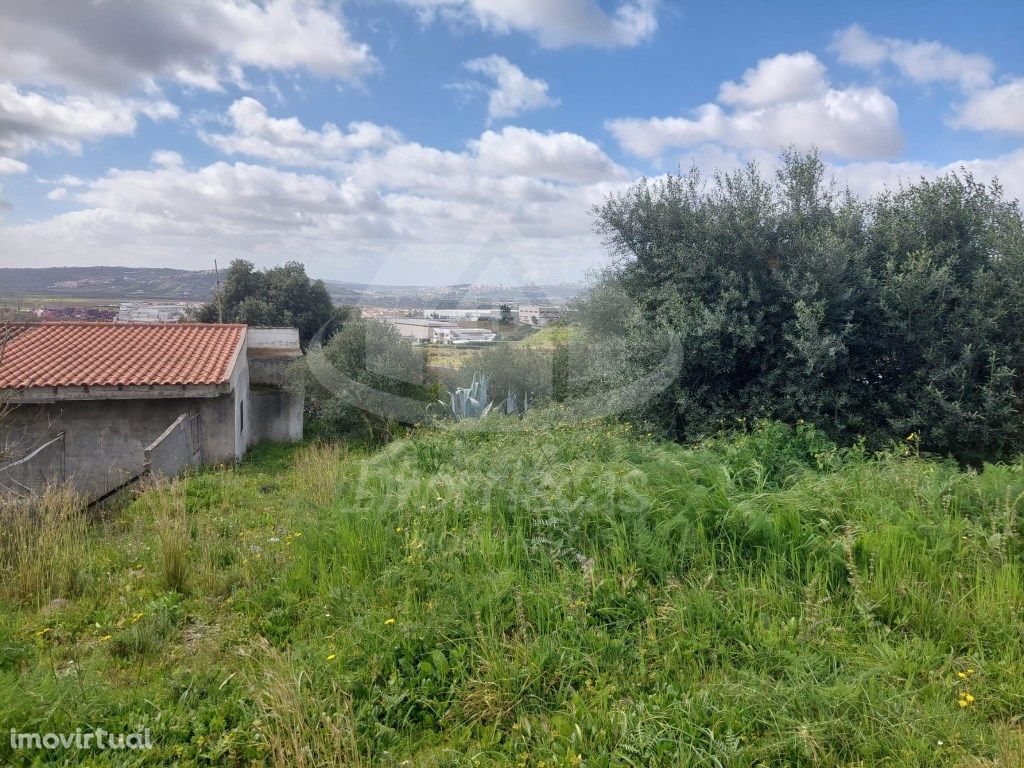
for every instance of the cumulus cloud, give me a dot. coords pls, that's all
(782, 78)
(427, 204)
(513, 92)
(118, 45)
(10, 165)
(994, 109)
(784, 100)
(30, 120)
(986, 106)
(870, 178)
(554, 23)
(923, 61)
(288, 142)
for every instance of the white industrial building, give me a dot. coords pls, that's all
(463, 336)
(462, 314)
(539, 315)
(418, 329)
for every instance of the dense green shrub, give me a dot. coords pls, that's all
(349, 386)
(508, 367)
(901, 315)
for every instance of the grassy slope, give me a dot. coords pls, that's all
(542, 595)
(550, 336)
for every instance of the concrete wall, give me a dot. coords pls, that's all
(276, 412)
(105, 439)
(178, 449)
(277, 415)
(284, 339)
(226, 421)
(42, 465)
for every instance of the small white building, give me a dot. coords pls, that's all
(100, 404)
(463, 336)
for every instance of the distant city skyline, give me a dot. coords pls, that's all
(431, 142)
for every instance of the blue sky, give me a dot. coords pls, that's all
(427, 140)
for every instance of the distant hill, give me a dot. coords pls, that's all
(109, 283)
(189, 285)
(450, 296)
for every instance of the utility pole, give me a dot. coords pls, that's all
(220, 298)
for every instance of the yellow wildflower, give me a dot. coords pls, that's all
(105, 638)
(390, 621)
(332, 657)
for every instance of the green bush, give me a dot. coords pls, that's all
(508, 367)
(901, 315)
(348, 388)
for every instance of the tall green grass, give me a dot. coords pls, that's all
(551, 593)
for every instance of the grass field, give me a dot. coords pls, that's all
(531, 594)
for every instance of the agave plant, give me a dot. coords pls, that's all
(470, 402)
(512, 404)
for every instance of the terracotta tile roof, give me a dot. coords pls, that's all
(75, 354)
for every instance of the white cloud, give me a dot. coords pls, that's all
(994, 109)
(869, 178)
(782, 78)
(986, 106)
(30, 120)
(288, 142)
(10, 165)
(555, 23)
(166, 159)
(57, 194)
(865, 179)
(513, 92)
(923, 61)
(423, 206)
(118, 45)
(783, 101)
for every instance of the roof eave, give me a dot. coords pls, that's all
(42, 395)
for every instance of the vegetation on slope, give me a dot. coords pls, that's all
(534, 593)
(789, 299)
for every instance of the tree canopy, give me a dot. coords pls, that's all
(279, 296)
(899, 317)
